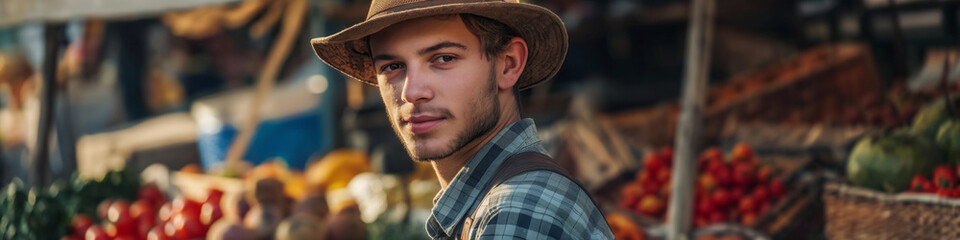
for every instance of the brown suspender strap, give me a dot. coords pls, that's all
(526, 162)
(515, 165)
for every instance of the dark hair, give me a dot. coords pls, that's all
(494, 37)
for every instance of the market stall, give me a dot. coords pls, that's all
(842, 126)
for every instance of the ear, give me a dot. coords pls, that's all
(513, 61)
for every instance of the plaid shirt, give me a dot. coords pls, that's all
(532, 205)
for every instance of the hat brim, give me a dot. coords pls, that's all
(546, 38)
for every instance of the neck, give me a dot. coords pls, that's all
(448, 168)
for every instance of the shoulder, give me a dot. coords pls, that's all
(538, 188)
(540, 205)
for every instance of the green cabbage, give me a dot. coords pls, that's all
(887, 162)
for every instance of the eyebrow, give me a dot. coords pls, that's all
(435, 47)
(441, 45)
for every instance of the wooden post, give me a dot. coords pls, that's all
(692, 104)
(41, 158)
(293, 18)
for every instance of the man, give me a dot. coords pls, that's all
(449, 72)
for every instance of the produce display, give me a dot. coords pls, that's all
(46, 214)
(930, 118)
(276, 203)
(943, 182)
(735, 188)
(623, 228)
(887, 162)
(920, 158)
(280, 204)
(150, 216)
(268, 210)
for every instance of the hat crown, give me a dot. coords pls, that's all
(542, 29)
(381, 7)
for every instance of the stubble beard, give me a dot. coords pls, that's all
(487, 114)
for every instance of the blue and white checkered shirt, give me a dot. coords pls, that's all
(532, 205)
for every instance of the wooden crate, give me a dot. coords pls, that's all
(816, 87)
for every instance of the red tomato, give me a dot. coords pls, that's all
(187, 227)
(652, 163)
(165, 212)
(748, 219)
(711, 154)
(81, 222)
(742, 152)
(629, 196)
(715, 165)
(743, 174)
(700, 222)
(666, 154)
(666, 190)
(186, 206)
(736, 194)
(717, 217)
(70, 237)
(103, 208)
(142, 210)
(156, 233)
(760, 194)
(663, 175)
(705, 207)
(96, 232)
(125, 237)
(144, 226)
(170, 230)
(210, 213)
(776, 189)
(110, 229)
(946, 192)
(644, 177)
(747, 205)
(764, 175)
(214, 196)
(119, 215)
(651, 188)
(721, 198)
(650, 206)
(944, 177)
(763, 208)
(724, 176)
(708, 182)
(929, 187)
(152, 194)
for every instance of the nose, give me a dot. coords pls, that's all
(416, 87)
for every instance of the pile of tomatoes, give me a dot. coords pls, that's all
(735, 188)
(151, 217)
(944, 182)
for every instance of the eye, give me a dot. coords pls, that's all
(444, 59)
(390, 67)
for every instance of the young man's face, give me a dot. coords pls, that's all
(438, 88)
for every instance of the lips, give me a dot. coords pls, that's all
(423, 123)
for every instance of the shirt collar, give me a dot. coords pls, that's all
(459, 197)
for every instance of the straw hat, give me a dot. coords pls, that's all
(543, 31)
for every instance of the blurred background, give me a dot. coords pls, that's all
(185, 119)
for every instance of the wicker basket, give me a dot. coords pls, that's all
(857, 213)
